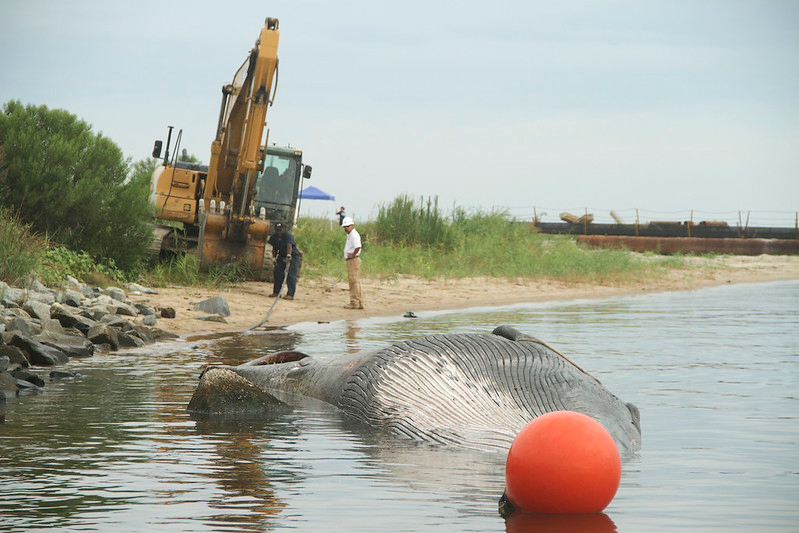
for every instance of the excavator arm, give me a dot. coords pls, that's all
(236, 154)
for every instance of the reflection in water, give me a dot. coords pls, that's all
(237, 349)
(521, 522)
(239, 470)
(353, 337)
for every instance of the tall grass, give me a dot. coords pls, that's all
(22, 250)
(404, 223)
(26, 254)
(184, 269)
(417, 239)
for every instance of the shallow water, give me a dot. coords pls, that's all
(714, 373)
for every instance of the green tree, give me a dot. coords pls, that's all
(73, 185)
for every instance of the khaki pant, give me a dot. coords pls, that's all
(354, 277)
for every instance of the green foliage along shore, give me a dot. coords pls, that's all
(26, 254)
(417, 239)
(73, 186)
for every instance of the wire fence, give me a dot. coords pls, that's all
(772, 219)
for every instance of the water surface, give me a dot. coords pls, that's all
(714, 373)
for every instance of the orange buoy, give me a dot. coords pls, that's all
(562, 462)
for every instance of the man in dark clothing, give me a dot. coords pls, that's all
(284, 251)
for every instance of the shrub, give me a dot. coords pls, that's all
(73, 185)
(62, 262)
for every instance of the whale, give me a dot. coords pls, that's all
(472, 390)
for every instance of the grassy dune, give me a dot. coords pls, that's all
(416, 239)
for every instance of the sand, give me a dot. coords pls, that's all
(322, 300)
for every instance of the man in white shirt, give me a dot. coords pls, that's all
(352, 253)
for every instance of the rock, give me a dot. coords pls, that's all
(216, 305)
(8, 386)
(70, 298)
(37, 309)
(126, 309)
(55, 375)
(168, 312)
(149, 320)
(71, 283)
(104, 334)
(22, 325)
(116, 293)
(103, 348)
(16, 356)
(16, 311)
(129, 341)
(114, 320)
(5, 362)
(143, 309)
(37, 286)
(37, 352)
(212, 318)
(43, 297)
(64, 316)
(51, 325)
(9, 294)
(143, 333)
(84, 324)
(161, 335)
(97, 312)
(223, 393)
(26, 387)
(28, 376)
(135, 287)
(104, 301)
(72, 345)
(89, 292)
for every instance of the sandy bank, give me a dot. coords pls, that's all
(323, 299)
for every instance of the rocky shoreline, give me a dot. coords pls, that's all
(44, 328)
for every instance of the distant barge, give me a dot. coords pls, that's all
(678, 237)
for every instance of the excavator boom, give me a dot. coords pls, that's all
(236, 150)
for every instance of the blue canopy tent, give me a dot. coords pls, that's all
(313, 193)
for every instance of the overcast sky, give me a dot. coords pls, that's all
(665, 106)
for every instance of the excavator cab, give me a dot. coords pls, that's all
(278, 183)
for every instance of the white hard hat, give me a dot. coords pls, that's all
(347, 221)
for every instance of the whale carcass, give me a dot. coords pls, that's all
(475, 390)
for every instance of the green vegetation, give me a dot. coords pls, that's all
(71, 205)
(404, 223)
(185, 270)
(73, 185)
(419, 240)
(62, 262)
(23, 250)
(27, 254)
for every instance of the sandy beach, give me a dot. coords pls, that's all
(322, 300)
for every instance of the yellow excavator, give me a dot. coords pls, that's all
(223, 211)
